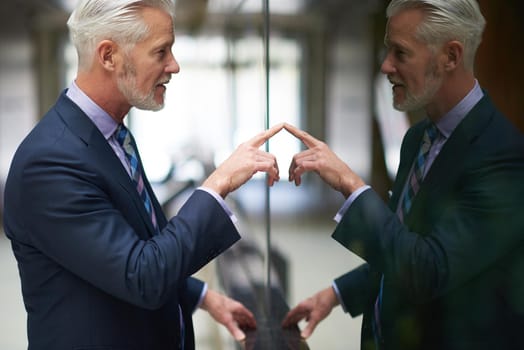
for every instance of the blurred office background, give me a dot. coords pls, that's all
(312, 63)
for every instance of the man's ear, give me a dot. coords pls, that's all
(454, 55)
(106, 52)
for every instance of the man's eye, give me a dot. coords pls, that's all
(400, 54)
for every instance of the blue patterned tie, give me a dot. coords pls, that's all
(417, 175)
(418, 171)
(123, 136)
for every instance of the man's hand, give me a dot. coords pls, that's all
(243, 163)
(319, 158)
(230, 313)
(313, 310)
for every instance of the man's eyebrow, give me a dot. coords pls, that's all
(394, 45)
(163, 44)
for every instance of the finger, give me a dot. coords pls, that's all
(294, 173)
(294, 177)
(235, 331)
(291, 170)
(272, 178)
(298, 180)
(297, 174)
(297, 161)
(288, 321)
(268, 165)
(303, 136)
(245, 318)
(294, 316)
(266, 156)
(273, 172)
(261, 138)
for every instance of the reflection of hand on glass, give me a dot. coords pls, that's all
(314, 309)
(321, 159)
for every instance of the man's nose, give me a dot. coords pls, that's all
(173, 67)
(387, 66)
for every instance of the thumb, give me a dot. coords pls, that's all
(310, 327)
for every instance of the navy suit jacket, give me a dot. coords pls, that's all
(454, 271)
(94, 273)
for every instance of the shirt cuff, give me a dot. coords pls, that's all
(337, 292)
(202, 296)
(220, 201)
(350, 201)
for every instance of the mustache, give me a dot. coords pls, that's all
(394, 81)
(164, 80)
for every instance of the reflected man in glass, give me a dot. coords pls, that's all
(444, 257)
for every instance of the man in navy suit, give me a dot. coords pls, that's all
(445, 257)
(100, 267)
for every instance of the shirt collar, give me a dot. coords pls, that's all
(450, 120)
(103, 121)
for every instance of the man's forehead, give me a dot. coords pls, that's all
(161, 27)
(403, 26)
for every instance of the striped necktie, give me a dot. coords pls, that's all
(418, 171)
(417, 175)
(123, 136)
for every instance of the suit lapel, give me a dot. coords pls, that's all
(448, 165)
(100, 151)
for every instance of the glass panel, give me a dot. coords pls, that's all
(218, 100)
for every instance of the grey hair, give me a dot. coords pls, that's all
(447, 20)
(119, 20)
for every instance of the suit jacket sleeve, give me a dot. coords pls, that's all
(357, 288)
(191, 293)
(66, 201)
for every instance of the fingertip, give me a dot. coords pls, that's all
(304, 335)
(236, 332)
(279, 126)
(271, 181)
(240, 336)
